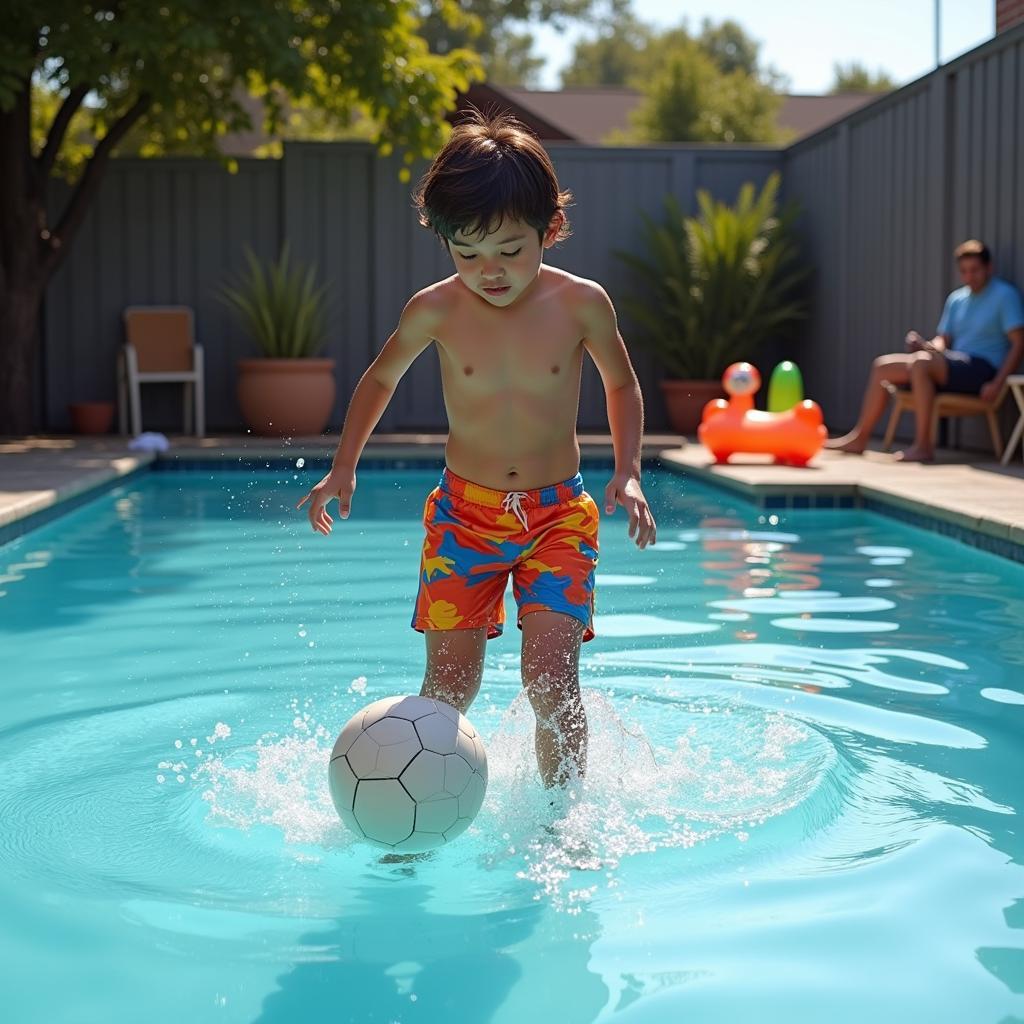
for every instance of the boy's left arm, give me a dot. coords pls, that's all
(625, 411)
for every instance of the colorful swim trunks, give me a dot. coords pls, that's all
(476, 536)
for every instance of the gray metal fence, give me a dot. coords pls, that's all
(171, 231)
(885, 195)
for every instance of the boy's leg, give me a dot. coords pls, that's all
(891, 369)
(455, 665)
(550, 669)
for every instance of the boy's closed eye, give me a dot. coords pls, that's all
(507, 255)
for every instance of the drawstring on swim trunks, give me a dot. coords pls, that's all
(513, 500)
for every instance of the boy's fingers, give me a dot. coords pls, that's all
(304, 500)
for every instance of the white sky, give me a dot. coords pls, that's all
(804, 38)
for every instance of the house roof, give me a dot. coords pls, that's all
(590, 114)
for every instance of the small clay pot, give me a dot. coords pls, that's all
(91, 417)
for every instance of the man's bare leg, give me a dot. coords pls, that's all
(928, 371)
(892, 370)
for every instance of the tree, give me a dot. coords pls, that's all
(729, 46)
(513, 61)
(704, 88)
(174, 73)
(690, 99)
(615, 57)
(508, 56)
(855, 77)
(626, 51)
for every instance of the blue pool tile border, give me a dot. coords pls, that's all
(12, 531)
(62, 506)
(1002, 546)
(279, 465)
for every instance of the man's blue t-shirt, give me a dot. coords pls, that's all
(978, 324)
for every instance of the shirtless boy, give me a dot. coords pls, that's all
(510, 334)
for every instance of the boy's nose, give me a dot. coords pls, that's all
(491, 271)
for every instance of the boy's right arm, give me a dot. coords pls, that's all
(369, 400)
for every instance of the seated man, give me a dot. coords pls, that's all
(979, 341)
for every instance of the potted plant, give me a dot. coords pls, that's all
(716, 286)
(91, 417)
(288, 392)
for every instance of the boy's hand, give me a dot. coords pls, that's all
(624, 489)
(334, 485)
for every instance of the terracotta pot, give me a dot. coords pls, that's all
(286, 397)
(91, 417)
(685, 401)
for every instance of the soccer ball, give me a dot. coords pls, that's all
(408, 773)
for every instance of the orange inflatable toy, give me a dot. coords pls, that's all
(794, 437)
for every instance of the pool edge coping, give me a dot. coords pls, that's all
(1000, 538)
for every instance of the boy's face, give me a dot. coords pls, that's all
(502, 264)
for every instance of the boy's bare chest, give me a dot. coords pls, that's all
(535, 354)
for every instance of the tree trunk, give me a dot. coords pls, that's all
(30, 251)
(19, 324)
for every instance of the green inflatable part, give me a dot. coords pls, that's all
(786, 387)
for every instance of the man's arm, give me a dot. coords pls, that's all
(991, 390)
(622, 390)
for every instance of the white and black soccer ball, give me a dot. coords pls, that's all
(408, 773)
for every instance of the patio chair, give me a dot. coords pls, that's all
(949, 406)
(160, 347)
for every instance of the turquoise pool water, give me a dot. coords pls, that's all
(806, 774)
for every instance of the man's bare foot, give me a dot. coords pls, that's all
(915, 454)
(852, 444)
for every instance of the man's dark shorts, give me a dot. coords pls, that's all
(967, 373)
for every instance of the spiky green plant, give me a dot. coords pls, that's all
(718, 285)
(280, 306)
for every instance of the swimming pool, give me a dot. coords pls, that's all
(806, 766)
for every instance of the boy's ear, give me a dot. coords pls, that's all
(554, 226)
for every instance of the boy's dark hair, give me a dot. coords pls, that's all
(972, 247)
(490, 168)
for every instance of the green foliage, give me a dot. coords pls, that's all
(716, 286)
(855, 77)
(508, 56)
(281, 307)
(617, 56)
(697, 88)
(189, 64)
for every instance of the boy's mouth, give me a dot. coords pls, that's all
(500, 290)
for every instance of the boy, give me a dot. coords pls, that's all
(510, 334)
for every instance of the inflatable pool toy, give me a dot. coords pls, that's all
(727, 427)
(408, 773)
(785, 387)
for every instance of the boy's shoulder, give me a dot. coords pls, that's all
(430, 305)
(580, 292)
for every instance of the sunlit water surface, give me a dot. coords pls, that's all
(806, 765)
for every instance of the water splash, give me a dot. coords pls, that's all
(728, 769)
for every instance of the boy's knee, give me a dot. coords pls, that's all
(552, 696)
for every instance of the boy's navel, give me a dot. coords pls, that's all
(554, 369)
(468, 370)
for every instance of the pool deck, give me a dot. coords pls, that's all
(954, 495)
